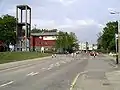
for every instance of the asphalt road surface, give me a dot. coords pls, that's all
(50, 74)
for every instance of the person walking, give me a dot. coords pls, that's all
(94, 54)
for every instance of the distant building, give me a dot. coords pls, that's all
(90, 47)
(95, 47)
(43, 41)
(82, 46)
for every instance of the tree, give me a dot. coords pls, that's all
(66, 42)
(7, 29)
(107, 39)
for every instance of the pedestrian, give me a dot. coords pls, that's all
(55, 55)
(72, 54)
(75, 54)
(94, 54)
(52, 55)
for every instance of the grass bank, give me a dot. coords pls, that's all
(6, 57)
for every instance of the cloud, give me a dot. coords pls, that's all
(48, 24)
(64, 2)
(67, 2)
(66, 24)
(1, 5)
(111, 9)
(74, 24)
(101, 25)
(11, 11)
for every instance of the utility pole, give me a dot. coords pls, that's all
(86, 47)
(117, 38)
(118, 44)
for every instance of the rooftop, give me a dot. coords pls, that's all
(45, 34)
(23, 7)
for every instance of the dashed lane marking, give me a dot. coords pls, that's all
(57, 64)
(35, 73)
(32, 73)
(29, 74)
(43, 68)
(6, 84)
(63, 62)
(49, 68)
(51, 65)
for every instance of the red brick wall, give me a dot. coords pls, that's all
(36, 41)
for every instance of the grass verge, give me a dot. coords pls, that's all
(6, 57)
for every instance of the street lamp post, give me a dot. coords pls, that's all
(116, 43)
(117, 38)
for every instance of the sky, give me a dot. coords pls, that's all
(84, 17)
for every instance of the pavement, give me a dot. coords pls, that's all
(99, 74)
(64, 72)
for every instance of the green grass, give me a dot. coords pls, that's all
(6, 57)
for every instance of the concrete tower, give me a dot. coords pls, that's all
(23, 19)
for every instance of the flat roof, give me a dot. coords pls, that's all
(45, 34)
(22, 24)
(23, 7)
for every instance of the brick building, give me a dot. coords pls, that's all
(44, 40)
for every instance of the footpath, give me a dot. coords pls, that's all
(99, 75)
(24, 63)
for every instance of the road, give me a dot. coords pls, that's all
(50, 74)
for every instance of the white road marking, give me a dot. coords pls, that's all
(35, 73)
(6, 84)
(63, 62)
(49, 68)
(32, 73)
(114, 66)
(74, 81)
(43, 68)
(51, 65)
(29, 74)
(76, 78)
(57, 64)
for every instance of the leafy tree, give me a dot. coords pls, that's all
(107, 39)
(7, 29)
(66, 42)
